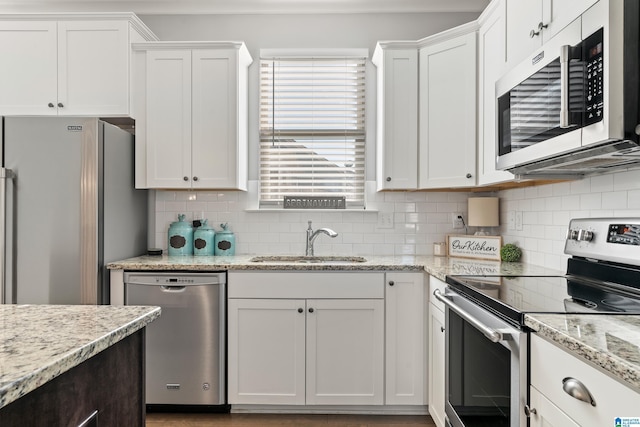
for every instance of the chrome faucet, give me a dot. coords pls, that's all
(311, 237)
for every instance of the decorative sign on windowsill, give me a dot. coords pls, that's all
(314, 202)
(477, 247)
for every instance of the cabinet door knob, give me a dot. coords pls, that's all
(195, 178)
(391, 283)
(300, 310)
(441, 328)
(542, 26)
(311, 310)
(50, 105)
(534, 33)
(60, 104)
(529, 411)
(186, 178)
(388, 179)
(469, 175)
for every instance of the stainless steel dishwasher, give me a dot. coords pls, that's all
(185, 347)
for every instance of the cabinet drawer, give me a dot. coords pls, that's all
(550, 365)
(435, 283)
(305, 284)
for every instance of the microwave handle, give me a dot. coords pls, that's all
(565, 116)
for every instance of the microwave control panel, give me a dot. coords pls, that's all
(594, 76)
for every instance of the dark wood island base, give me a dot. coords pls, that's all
(111, 383)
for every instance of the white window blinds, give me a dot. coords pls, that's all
(312, 132)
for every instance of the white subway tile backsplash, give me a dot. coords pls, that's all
(601, 183)
(615, 198)
(591, 201)
(420, 218)
(628, 180)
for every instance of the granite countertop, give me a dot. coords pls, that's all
(40, 342)
(611, 342)
(436, 266)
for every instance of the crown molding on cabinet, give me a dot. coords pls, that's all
(135, 21)
(185, 7)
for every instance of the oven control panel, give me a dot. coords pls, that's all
(606, 239)
(625, 234)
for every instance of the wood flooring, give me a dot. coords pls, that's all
(262, 420)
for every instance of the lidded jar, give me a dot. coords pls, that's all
(225, 241)
(203, 239)
(180, 237)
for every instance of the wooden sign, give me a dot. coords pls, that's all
(477, 247)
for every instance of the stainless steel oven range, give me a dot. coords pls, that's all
(486, 340)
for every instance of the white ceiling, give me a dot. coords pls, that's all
(242, 6)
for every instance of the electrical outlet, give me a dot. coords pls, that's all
(511, 220)
(385, 219)
(519, 221)
(456, 220)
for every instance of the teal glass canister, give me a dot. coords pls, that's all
(180, 237)
(203, 239)
(225, 241)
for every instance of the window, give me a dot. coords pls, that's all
(312, 132)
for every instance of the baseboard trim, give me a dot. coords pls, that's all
(342, 410)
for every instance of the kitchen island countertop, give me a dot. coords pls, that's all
(41, 342)
(610, 342)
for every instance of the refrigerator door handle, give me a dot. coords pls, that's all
(5, 174)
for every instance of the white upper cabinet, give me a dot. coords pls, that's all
(72, 67)
(397, 115)
(532, 22)
(447, 105)
(491, 65)
(192, 112)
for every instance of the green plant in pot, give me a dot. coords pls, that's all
(510, 253)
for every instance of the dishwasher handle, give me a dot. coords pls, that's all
(491, 334)
(173, 289)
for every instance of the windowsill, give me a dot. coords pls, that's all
(311, 210)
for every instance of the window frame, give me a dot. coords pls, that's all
(359, 147)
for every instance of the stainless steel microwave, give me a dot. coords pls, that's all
(572, 107)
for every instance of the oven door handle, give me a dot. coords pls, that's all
(491, 334)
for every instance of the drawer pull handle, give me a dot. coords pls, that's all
(576, 389)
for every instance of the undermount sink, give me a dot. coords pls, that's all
(284, 259)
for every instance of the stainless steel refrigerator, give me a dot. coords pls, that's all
(68, 207)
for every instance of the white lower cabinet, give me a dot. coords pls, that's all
(551, 367)
(306, 338)
(547, 414)
(436, 354)
(266, 351)
(406, 339)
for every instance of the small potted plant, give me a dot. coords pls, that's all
(510, 253)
